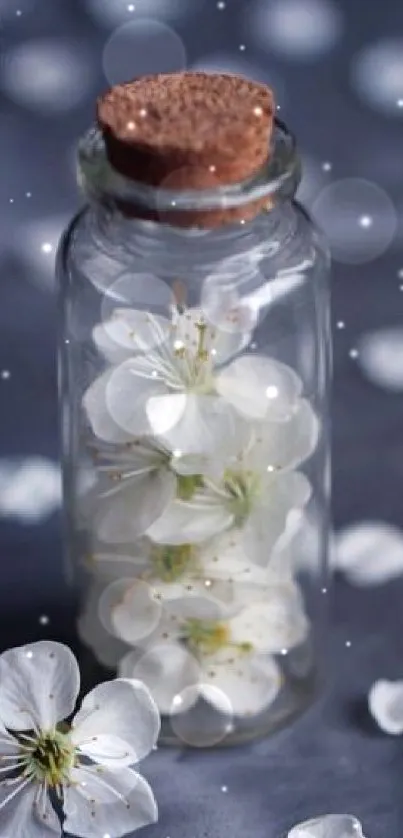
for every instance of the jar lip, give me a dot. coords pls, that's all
(277, 179)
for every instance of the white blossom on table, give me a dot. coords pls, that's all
(87, 766)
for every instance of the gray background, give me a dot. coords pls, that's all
(334, 759)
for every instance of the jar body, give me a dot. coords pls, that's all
(194, 406)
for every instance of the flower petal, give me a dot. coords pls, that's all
(39, 685)
(128, 390)
(98, 414)
(166, 669)
(9, 746)
(386, 705)
(117, 717)
(260, 387)
(129, 609)
(279, 623)
(284, 445)
(164, 412)
(108, 803)
(250, 683)
(369, 552)
(204, 426)
(107, 649)
(134, 506)
(185, 522)
(328, 826)
(267, 521)
(129, 331)
(28, 812)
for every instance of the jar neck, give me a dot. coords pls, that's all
(273, 185)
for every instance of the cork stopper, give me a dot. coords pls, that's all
(182, 131)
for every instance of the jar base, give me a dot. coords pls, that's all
(220, 731)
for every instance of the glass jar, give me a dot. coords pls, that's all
(195, 368)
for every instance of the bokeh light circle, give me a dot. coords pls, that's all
(358, 218)
(141, 47)
(204, 722)
(49, 76)
(377, 75)
(295, 29)
(111, 13)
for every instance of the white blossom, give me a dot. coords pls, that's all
(86, 766)
(236, 655)
(166, 389)
(255, 493)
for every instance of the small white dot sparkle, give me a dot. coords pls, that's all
(242, 47)
(5, 374)
(327, 167)
(400, 273)
(272, 392)
(399, 103)
(44, 620)
(365, 221)
(221, 5)
(348, 643)
(340, 324)
(224, 789)
(46, 247)
(30, 654)
(353, 353)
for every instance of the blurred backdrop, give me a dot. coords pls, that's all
(337, 70)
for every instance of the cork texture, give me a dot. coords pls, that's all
(188, 131)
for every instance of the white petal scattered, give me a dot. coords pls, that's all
(385, 702)
(329, 826)
(369, 552)
(30, 489)
(380, 358)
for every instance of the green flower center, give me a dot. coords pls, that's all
(242, 488)
(196, 357)
(171, 562)
(206, 637)
(188, 484)
(50, 759)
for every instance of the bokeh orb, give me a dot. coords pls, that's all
(112, 13)
(141, 47)
(377, 76)
(358, 218)
(48, 76)
(203, 723)
(294, 29)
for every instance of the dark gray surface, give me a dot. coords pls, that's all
(333, 759)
